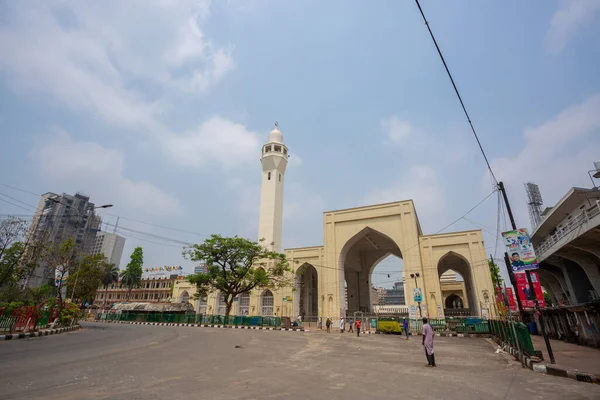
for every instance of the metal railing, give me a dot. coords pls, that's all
(561, 233)
(516, 334)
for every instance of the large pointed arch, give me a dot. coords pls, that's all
(358, 257)
(306, 300)
(459, 264)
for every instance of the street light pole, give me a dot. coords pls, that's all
(415, 276)
(511, 274)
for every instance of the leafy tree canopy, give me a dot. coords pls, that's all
(235, 266)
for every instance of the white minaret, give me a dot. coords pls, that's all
(274, 160)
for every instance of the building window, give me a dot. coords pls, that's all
(279, 177)
(284, 151)
(267, 148)
(266, 303)
(244, 304)
(278, 149)
(269, 176)
(221, 306)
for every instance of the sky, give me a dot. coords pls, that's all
(160, 107)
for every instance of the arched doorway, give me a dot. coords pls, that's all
(454, 301)
(266, 303)
(307, 287)
(244, 304)
(387, 280)
(358, 258)
(184, 297)
(455, 263)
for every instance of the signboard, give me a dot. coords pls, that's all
(528, 294)
(413, 314)
(520, 250)
(417, 295)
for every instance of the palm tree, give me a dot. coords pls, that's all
(111, 275)
(130, 279)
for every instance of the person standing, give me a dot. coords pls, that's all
(342, 325)
(357, 327)
(328, 325)
(428, 343)
(350, 325)
(406, 328)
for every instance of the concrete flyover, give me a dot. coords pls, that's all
(121, 361)
(567, 244)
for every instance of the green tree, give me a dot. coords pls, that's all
(111, 275)
(12, 231)
(548, 299)
(132, 276)
(84, 282)
(235, 266)
(495, 273)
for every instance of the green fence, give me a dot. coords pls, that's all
(505, 332)
(235, 320)
(8, 321)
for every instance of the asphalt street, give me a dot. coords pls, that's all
(113, 361)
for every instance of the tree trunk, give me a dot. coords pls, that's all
(228, 306)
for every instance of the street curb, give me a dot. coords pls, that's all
(261, 328)
(549, 369)
(44, 332)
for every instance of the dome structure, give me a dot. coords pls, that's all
(275, 136)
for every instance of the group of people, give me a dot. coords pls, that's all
(427, 341)
(351, 325)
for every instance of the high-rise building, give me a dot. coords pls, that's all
(109, 244)
(200, 269)
(274, 161)
(58, 218)
(395, 295)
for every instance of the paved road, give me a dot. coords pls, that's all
(106, 361)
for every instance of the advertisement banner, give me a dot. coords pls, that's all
(417, 294)
(520, 250)
(505, 300)
(528, 294)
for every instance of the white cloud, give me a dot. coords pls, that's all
(116, 60)
(556, 155)
(216, 140)
(420, 184)
(396, 129)
(570, 16)
(99, 172)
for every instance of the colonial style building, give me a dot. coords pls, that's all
(152, 289)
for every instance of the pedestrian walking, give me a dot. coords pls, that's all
(428, 343)
(320, 323)
(357, 327)
(342, 325)
(406, 328)
(328, 325)
(350, 325)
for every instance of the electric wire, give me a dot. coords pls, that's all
(457, 92)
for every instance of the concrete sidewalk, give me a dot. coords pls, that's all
(570, 356)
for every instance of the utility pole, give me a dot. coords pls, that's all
(513, 280)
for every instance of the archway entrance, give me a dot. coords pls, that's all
(307, 286)
(358, 258)
(387, 280)
(184, 297)
(453, 301)
(449, 266)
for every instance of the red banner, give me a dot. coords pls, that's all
(528, 294)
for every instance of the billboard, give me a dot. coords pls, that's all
(520, 250)
(528, 294)
(417, 294)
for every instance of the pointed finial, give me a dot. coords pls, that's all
(276, 125)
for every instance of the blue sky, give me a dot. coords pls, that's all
(160, 108)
